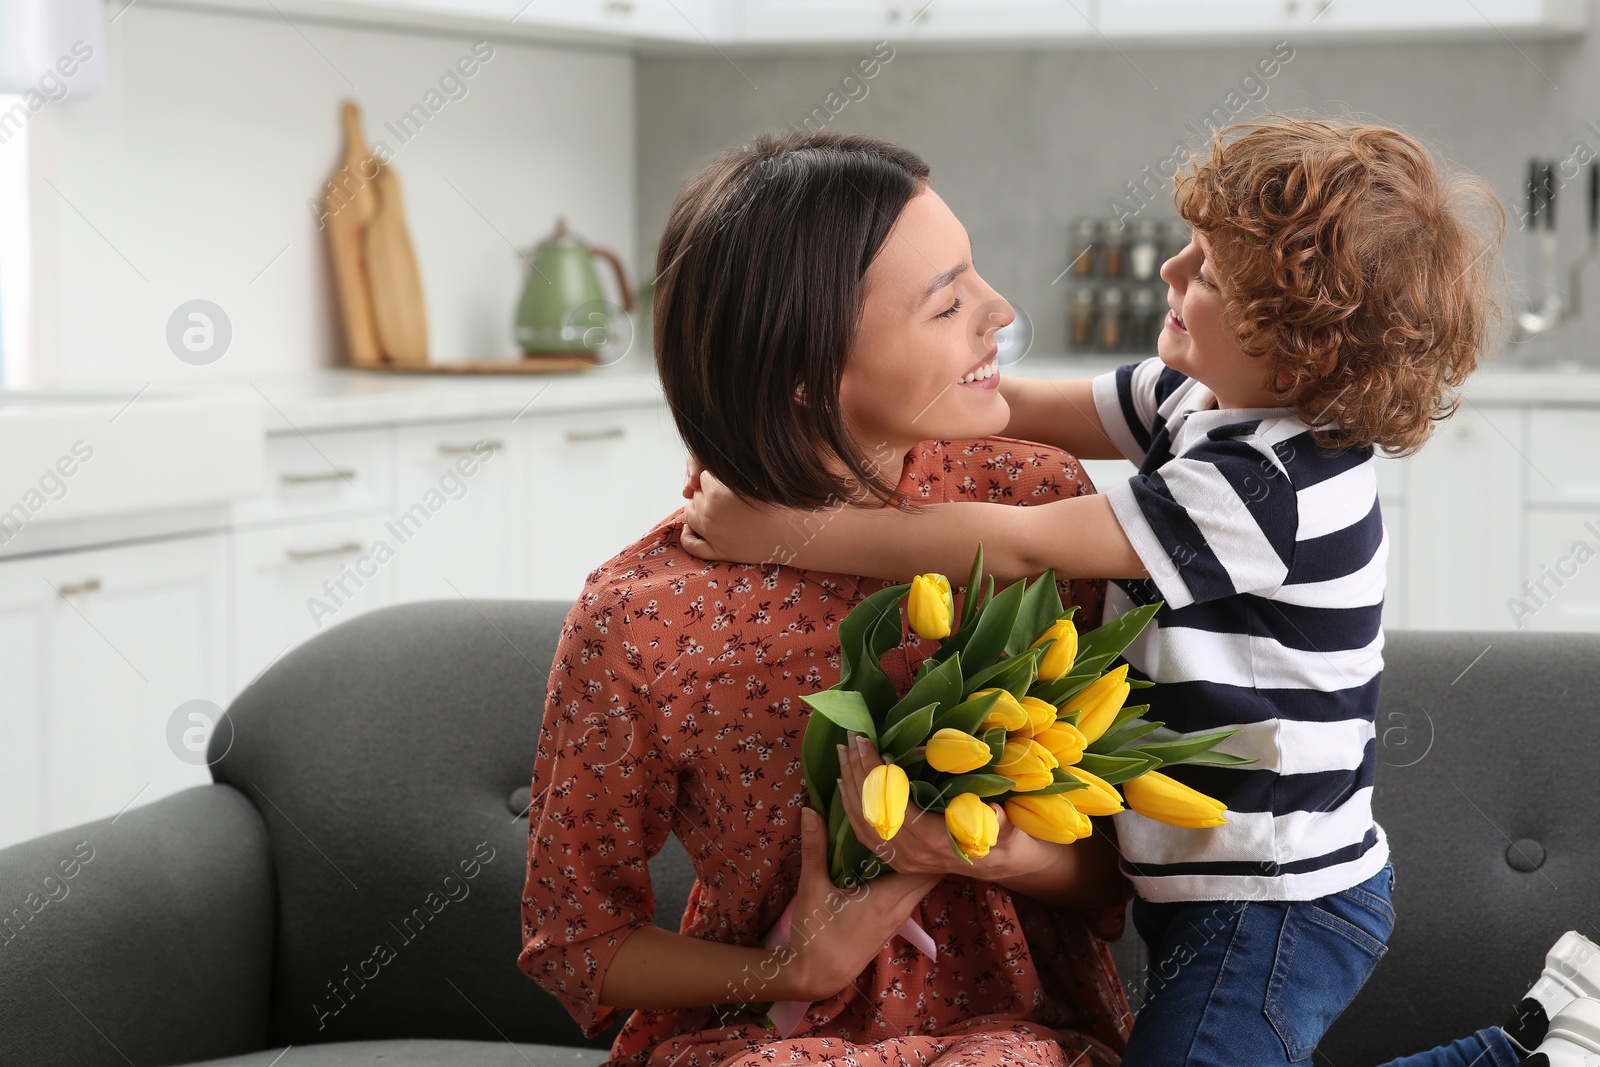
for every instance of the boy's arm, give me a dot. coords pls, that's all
(1059, 413)
(1078, 537)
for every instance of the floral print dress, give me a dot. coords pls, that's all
(673, 708)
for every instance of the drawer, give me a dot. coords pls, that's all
(1562, 445)
(323, 475)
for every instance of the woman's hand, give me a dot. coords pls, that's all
(834, 933)
(923, 844)
(719, 524)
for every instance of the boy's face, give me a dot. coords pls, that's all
(1194, 339)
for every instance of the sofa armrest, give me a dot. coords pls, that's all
(146, 938)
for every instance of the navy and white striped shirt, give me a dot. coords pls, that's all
(1270, 554)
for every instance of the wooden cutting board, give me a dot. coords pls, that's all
(397, 307)
(349, 205)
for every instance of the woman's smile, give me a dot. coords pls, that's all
(985, 375)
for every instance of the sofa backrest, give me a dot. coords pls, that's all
(390, 758)
(1488, 788)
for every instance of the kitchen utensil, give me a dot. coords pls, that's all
(397, 306)
(1532, 321)
(1575, 282)
(563, 310)
(348, 206)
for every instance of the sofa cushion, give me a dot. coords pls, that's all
(381, 754)
(142, 938)
(1488, 761)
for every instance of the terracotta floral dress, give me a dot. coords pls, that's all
(673, 708)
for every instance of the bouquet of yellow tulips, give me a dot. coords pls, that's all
(1014, 707)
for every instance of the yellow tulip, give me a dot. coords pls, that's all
(1024, 761)
(884, 796)
(930, 607)
(1057, 659)
(1006, 712)
(1041, 714)
(973, 824)
(957, 752)
(1049, 818)
(1099, 703)
(1065, 742)
(1156, 796)
(1101, 798)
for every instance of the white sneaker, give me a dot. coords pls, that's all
(1573, 1039)
(1571, 970)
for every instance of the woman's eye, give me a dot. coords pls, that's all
(949, 311)
(1201, 278)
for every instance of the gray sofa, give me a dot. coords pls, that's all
(374, 790)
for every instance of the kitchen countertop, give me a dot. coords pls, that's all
(341, 398)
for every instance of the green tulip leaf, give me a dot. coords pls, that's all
(996, 740)
(1170, 752)
(846, 708)
(941, 685)
(1140, 683)
(1128, 713)
(1109, 742)
(994, 625)
(858, 625)
(1215, 759)
(1041, 606)
(820, 758)
(1098, 647)
(966, 715)
(926, 796)
(956, 847)
(1064, 782)
(908, 733)
(1130, 763)
(1064, 689)
(1013, 674)
(970, 605)
(984, 785)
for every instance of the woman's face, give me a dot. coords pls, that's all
(923, 364)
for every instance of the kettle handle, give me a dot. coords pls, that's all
(622, 274)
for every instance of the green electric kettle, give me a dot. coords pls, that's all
(563, 311)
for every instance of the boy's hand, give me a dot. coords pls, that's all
(719, 524)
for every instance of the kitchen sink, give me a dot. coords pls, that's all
(76, 454)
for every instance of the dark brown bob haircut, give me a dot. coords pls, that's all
(1354, 266)
(759, 289)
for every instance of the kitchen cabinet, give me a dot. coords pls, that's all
(458, 528)
(599, 481)
(1187, 22)
(102, 650)
(713, 26)
(291, 582)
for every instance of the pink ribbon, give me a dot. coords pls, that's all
(786, 1015)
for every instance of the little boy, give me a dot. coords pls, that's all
(1332, 298)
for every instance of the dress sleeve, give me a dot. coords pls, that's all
(1002, 470)
(603, 795)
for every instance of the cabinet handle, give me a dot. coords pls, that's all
(74, 588)
(456, 450)
(579, 436)
(620, 7)
(325, 476)
(297, 555)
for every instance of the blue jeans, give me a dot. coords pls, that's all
(1233, 982)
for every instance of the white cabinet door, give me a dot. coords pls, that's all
(780, 21)
(460, 488)
(599, 480)
(121, 639)
(668, 19)
(1187, 20)
(1561, 584)
(1464, 504)
(1132, 19)
(290, 583)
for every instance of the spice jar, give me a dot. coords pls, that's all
(1144, 256)
(1111, 319)
(1114, 252)
(1143, 325)
(1080, 317)
(1085, 238)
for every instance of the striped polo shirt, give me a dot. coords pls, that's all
(1269, 554)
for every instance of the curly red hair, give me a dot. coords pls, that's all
(1351, 265)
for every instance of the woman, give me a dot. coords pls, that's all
(822, 336)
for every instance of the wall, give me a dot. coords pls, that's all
(190, 179)
(1021, 143)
